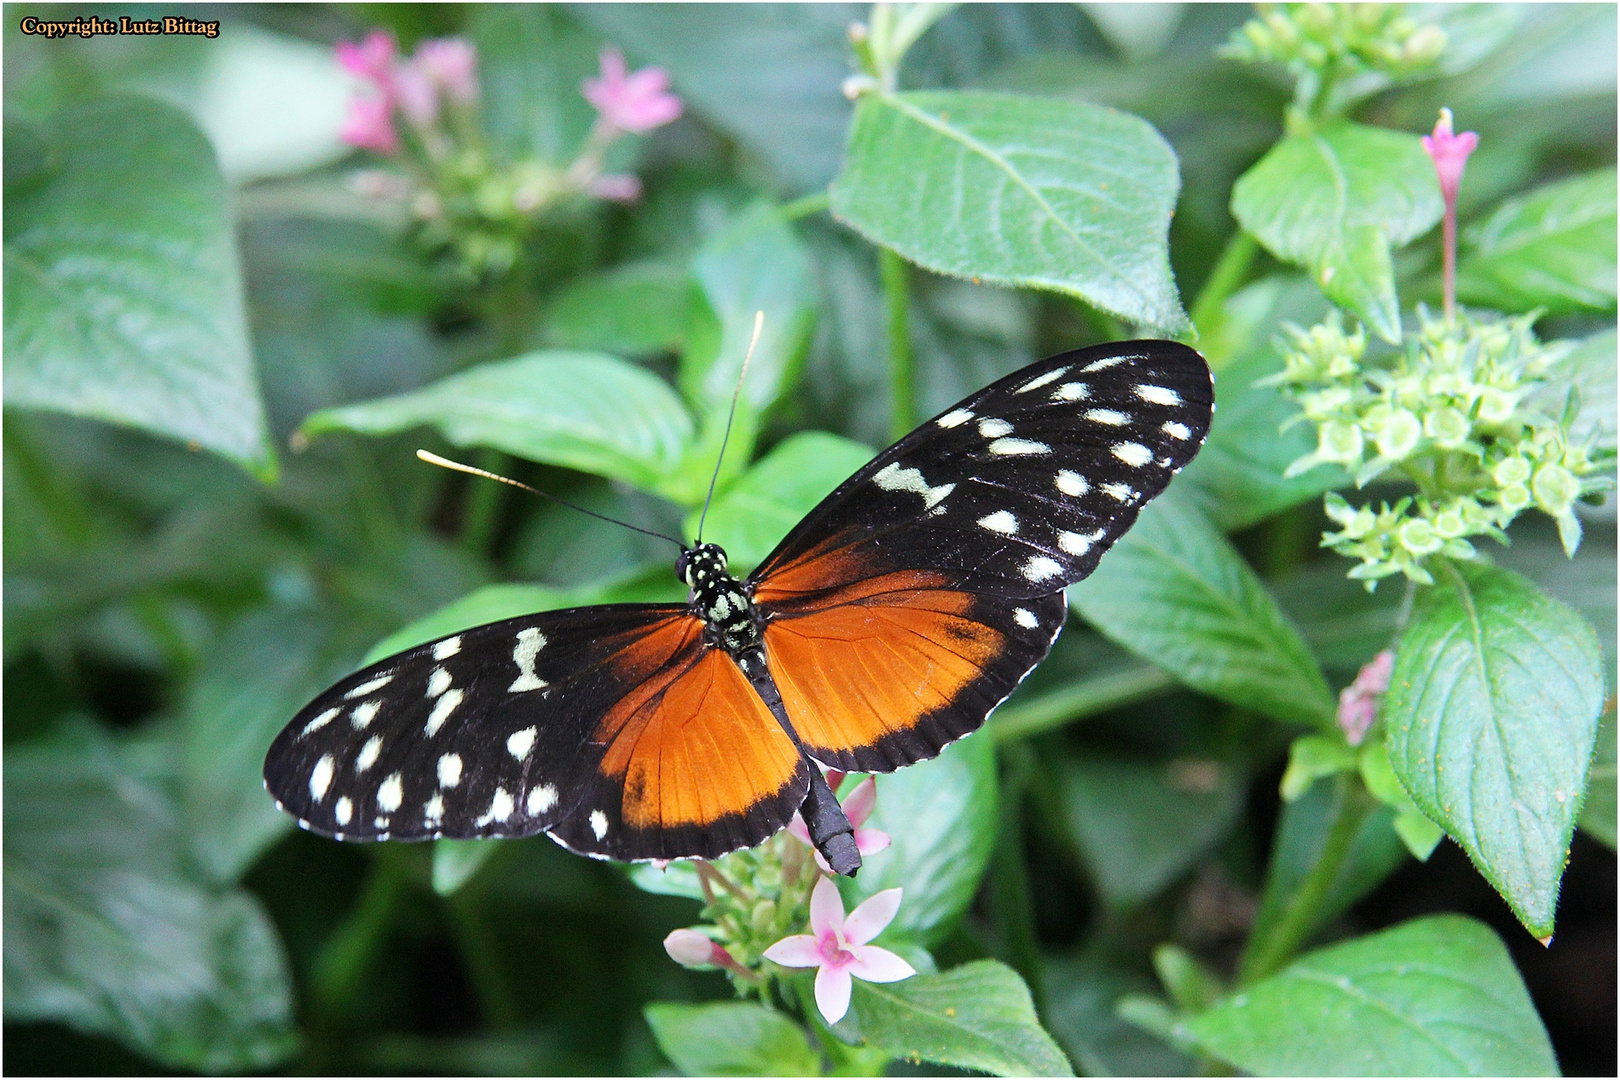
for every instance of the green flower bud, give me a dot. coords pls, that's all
(1513, 470)
(1340, 442)
(1496, 406)
(1449, 523)
(1513, 498)
(763, 916)
(1399, 435)
(1424, 46)
(1417, 536)
(1448, 427)
(1555, 488)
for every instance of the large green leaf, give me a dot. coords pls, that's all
(1598, 812)
(775, 494)
(106, 929)
(1436, 996)
(632, 310)
(123, 297)
(531, 61)
(1491, 717)
(1174, 591)
(1553, 248)
(1018, 191)
(1333, 202)
(583, 410)
(942, 817)
(1140, 825)
(977, 1016)
(732, 1038)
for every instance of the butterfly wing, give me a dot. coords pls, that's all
(615, 729)
(913, 599)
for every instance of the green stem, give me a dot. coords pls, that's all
(1009, 877)
(813, 203)
(482, 955)
(1231, 271)
(484, 503)
(345, 957)
(1077, 702)
(1272, 946)
(902, 378)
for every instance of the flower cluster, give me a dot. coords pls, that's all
(1454, 412)
(1351, 38)
(753, 899)
(422, 112)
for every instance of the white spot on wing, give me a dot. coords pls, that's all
(449, 770)
(1078, 543)
(1040, 568)
(955, 418)
(541, 799)
(1122, 492)
(598, 823)
(368, 754)
(441, 711)
(529, 643)
(992, 428)
(893, 478)
(1072, 483)
(447, 648)
(343, 811)
(438, 682)
(1133, 454)
(1111, 417)
(1175, 430)
(364, 713)
(1106, 362)
(1025, 618)
(520, 743)
(1074, 391)
(390, 793)
(434, 810)
(1041, 380)
(500, 808)
(1158, 395)
(367, 687)
(1014, 447)
(320, 777)
(319, 722)
(1001, 521)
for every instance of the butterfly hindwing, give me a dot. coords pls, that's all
(959, 539)
(549, 722)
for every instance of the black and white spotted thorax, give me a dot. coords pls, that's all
(719, 599)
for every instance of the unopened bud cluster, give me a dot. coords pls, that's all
(1352, 37)
(1456, 412)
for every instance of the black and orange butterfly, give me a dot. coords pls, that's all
(888, 623)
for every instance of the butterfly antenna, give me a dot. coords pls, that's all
(759, 324)
(456, 466)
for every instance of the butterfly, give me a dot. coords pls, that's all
(888, 623)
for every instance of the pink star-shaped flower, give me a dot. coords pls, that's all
(635, 102)
(370, 125)
(452, 64)
(372, 59)
(858, 807)
(1449, 152)
(838, 946)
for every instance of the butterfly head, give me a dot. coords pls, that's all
(703, 563)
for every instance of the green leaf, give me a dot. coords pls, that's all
(942, 816)
(1334, 202)
(1491, 717)
(1590, 368)
(582, 410)
(531, 61)
(633, 310)
(456, 861)
(1553, 248)
(1079, 1010)
(1139, 825)
(977, 1016)
(776, 492)
(731, 1038)
(1437, 996)
(1311, 757)
(123, 297)
(1598, 812)
(1018, 191)
(1174, 591)
(108, 932)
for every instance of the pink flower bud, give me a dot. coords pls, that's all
(1449, 152)
(372, 59)
(689, 948)
(370, 125)
(418, 97)
(631, 102)
(1358, 702)
(452, 64)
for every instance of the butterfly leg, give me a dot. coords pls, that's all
(830, 829)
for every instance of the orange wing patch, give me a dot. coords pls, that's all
(694, 743)
(890, 651)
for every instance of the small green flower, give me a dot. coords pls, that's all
(1398, 435)
(1340, 443)
(1555, 488)
(1418, 537)
(1511, 470)
(1513, 498)
(1448, 427)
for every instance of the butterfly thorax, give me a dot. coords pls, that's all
(719, 599)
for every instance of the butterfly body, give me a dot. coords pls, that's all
(891, 621)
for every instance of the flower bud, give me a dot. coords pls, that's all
(1496, 406)
(1513, 470)
(1400, 435)
(1424, 46)
(1417, 536)
(1448, 427)
(763, 915)
(689, 948)
(1513, 498)
(1340, 442)
(1449, 523)
(1555, 488)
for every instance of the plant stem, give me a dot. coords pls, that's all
(1273, 946)
(1009, 878)
(1076, 702)
(484, 503)
(342, 962)
(1448, 272)
(813, 203)
(481, 954)
(1231, 271)
(902, 378)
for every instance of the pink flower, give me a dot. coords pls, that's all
(452, 65)
(1449, 152)
(1358, 702)
(618, 187)
(372, 59)
(689, 948)
(838, 946)
(370, 125)
(858, 807)
(637, 102)
(418, 96)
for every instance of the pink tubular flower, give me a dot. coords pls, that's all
(1449, 152)
(838, 947)
(452, 65)
(372, 59)
(370, 125)
(858, 807)
(1358, 702)
(638, 102)
(617, 187)
(689, 948)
